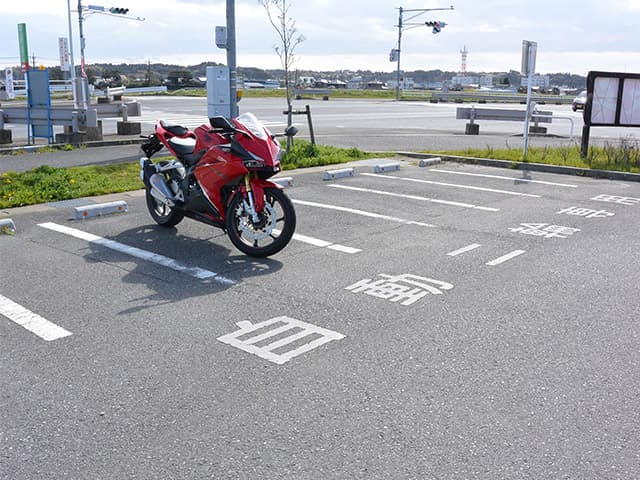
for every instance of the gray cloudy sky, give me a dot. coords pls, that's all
(573, 35)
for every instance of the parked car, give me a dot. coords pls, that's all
(579, 101)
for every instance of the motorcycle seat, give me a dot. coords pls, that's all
(182, 146)
(178, 130)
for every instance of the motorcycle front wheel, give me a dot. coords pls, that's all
(273, 230)
(163, 214)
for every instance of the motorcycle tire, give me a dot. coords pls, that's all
(271, 233)
(163, 215)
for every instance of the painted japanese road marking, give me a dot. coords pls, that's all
(586, 212)
(455, 185)
(266, 338)
(505, 258)
(544, 230)
(415, 197)
(466, 249)
(393, 288)
(199, 273)
(31, 321)
(617, 199)
(362, 212)
(499, 177)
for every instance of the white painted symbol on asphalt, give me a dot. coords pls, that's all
(391, 287)
(617, 199)
(272, 339)
(466, 249)
(544, 230)
(586, 212)
(31, 321)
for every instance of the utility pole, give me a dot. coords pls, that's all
(405, 25)
(72, 68)
(231, 56)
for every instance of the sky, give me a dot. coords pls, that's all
(573, 36)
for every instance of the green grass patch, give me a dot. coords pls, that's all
(622, 156)
(48, 184)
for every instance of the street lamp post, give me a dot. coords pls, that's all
(404, 25)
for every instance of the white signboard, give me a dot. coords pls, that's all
(630, 111)
(605, 99)
(63, 46)
(8, 81)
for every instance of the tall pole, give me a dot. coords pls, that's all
(83, 74)
(399, 49)
(72, 71)
(231, 56)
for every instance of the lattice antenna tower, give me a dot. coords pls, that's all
(463, 67)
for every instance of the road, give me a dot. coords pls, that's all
(462, 321)
(377, 125)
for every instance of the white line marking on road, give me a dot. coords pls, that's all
(468, 248)
(316, 242)
(506, 257)
(467, 187)
(31, 321)
(301, 329)
(415, 197)
(499, 177)
(196, 272)
(362, 212)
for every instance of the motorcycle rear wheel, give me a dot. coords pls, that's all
(271, 233)
(163, 214)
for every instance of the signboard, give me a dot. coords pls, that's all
(529, 51)
(8, 84)
(613, 100)
(63, 47)
(394, 54)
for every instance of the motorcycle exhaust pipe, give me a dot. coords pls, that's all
(160, 190)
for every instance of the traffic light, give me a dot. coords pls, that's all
(437, 26)
(120, 11)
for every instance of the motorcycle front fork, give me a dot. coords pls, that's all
(251, 206)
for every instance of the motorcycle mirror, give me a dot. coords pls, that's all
(290, 131)
(222, 123)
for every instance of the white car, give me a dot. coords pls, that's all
(579, 101)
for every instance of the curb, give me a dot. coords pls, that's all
(60, 146)
(536, 167)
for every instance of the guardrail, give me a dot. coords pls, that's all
(498, 98)
(501, 114)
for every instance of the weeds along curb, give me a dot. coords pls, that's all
(536, 167)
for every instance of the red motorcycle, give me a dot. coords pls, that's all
(219, 177)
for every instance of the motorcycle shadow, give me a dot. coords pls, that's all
(169, 285)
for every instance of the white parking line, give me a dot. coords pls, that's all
(505, 258)
(316, 242)
(362, 212)
(415, 197)
(516, 179)
(31, 321)
(455, 185)
(196, 272)
(468, 248)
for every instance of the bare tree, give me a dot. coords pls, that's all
(290, 38)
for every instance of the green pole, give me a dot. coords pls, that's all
(24, 47)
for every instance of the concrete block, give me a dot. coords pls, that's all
(333, 174)
(284, 182)
(534, 129)
(7, 227)
(427, 162)
(99, 210)
(386, 167)
(5, 136)
(128, 128)
(472, 129)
